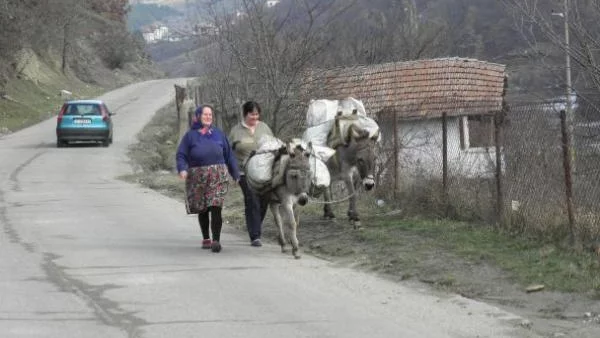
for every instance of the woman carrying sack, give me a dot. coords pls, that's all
(244, 137)
(204, 159)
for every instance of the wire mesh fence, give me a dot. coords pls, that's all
(535, 176)
(508, 168)
(586, 172)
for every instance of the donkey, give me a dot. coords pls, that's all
(353, 163)
(290, 189)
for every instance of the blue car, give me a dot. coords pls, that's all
(84, 120)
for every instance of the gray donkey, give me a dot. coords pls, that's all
(353, 163)
(291, 184)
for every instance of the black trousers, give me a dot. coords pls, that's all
(256, 209)
(215, 221)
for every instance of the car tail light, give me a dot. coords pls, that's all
(104, 113)
(61, 113)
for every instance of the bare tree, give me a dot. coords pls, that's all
(267, 50)
(542, 24)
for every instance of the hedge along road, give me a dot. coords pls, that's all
(84, 254)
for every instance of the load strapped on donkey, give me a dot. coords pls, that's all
(344, 138)
(267, 165)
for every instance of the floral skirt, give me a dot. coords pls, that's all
(205, 187)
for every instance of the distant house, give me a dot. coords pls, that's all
(148, 35)
(154, 33)
(408, 100)
(206, 30)
(271, 3)
(162, 32)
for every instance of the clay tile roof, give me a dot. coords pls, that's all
(416, 89)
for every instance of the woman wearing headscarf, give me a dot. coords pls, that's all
(204, 159)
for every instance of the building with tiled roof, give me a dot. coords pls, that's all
(409, 99)
(417, 89)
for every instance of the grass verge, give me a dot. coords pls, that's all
(525, 260)
(28, 102)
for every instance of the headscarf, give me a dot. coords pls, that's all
(196, 120)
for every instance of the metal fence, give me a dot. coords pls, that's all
(513, 168)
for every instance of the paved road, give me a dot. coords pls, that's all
(83, 254)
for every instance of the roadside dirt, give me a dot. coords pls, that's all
(549, 314)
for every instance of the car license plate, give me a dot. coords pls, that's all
(82, 121)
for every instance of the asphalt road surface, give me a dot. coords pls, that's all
(84, 254)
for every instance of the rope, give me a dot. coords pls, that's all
(316, 201)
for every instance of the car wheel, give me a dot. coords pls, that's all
(106, 143)
(61, 143)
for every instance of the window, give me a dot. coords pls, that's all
(477, 131)
(82, 109)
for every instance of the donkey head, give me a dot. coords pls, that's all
(297, 176)
(361, 151)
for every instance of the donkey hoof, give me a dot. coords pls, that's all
(283, 250)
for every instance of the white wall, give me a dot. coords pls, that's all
(161, 33)
(421, 153)
(149, 37)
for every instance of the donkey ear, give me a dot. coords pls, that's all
(282, 150)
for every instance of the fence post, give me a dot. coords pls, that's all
(445, 161)
(396, 150)
(179, 97)
(185, 109)
(567, 159)
(498, 124)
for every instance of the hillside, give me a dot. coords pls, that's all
(48, 47)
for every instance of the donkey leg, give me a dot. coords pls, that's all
(292, 226)
(327, 212)
(297, 219)
(352, 213)
(275, 210)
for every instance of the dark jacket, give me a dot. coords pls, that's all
(196, 150)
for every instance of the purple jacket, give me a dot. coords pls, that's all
(196, 150)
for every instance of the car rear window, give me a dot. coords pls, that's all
(83, 109)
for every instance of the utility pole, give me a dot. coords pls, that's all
(569, 108)
(567, 127)
(568, 90)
